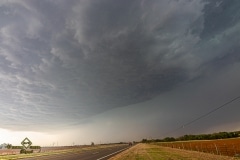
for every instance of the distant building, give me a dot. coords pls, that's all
(3, 146)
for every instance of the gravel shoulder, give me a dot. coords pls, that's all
(154, 152)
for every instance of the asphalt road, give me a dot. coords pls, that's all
(97, 154)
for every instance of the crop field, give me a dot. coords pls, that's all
(227, 147)
(145, 151)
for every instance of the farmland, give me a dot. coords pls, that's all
(145, 151)
(227, 147)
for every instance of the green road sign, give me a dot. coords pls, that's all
(26, 143)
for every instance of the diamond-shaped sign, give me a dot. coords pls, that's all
(26, 143)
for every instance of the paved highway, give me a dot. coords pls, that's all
(96, 154)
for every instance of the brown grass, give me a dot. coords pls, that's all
(156, 152)
(227, 147)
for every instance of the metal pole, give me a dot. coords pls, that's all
(216, 149)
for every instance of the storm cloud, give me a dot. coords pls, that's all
(64, 61)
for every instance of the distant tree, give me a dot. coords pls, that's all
(169, 139)
(92, 144)
(35, 147)
(9, 146)
(220, 135)
(144, 140)
(158, 140)
(17, 147)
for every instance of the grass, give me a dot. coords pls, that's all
(155, 152)
(57, 152)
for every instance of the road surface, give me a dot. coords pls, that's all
(97, 154)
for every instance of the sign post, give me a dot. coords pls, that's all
(26, 143)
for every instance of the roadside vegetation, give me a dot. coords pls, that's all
(143, 151)
(57, 152)
(222, 143)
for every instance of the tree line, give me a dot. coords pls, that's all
(10, 146)
(187, 137)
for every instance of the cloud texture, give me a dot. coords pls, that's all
(63, 61)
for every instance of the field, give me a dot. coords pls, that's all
(43, 149)
(227, 147)
(144, 151)
(54, 151)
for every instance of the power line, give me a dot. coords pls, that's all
(202, 116)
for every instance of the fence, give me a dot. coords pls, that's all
(227, 147)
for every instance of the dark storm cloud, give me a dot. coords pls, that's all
(62, 61)
(218, 16)
(115, 41)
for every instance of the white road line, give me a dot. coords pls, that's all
(112, 154)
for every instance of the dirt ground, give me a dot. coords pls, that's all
(153, 152)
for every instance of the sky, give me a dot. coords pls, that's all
(82, 71)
